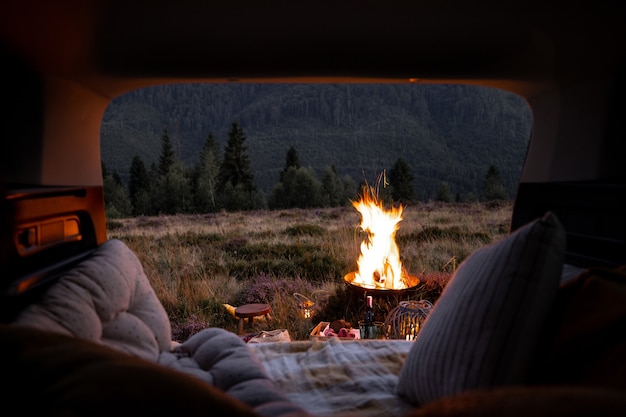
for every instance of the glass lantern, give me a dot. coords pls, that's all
(307, 306)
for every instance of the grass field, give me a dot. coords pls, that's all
(203, 265)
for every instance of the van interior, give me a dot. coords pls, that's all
(65, 61)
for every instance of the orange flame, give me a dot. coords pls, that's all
(379, 262)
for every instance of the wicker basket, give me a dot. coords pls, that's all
(404, 321)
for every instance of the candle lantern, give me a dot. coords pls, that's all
(405, 320)
(306, 309)
(307, 306)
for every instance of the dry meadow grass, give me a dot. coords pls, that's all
(201, 264)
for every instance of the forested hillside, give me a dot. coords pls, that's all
(446, 133)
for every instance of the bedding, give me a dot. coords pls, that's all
(107, 300)
(99, 343)
(338, 377)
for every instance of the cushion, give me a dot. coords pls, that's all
(107, 299)
(484, 328)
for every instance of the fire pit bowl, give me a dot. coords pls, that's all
(384, 299)
(378, 292)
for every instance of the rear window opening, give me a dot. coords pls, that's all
(236, 194)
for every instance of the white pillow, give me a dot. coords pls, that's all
(106, 298)
(484, 328)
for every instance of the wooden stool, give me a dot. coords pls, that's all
(249, 311)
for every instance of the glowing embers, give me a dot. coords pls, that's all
(379, 263)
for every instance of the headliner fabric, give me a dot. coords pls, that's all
(484, 329)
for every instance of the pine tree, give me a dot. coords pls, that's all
(138, 186)
(105, 169)
(444, 193)
(299, 188)
(401, 180)
(206, 175)
(235, 181)
(117, 179)
(116, 201)
(291, 160)
(172, 195)
(350, 191)
(493, 186)
(235, 167)
(333, 189)
(167, 158)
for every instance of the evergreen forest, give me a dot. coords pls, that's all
(184, 148)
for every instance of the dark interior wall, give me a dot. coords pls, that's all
(22, 120)
(570, 132)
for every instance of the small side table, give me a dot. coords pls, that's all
(249, 311)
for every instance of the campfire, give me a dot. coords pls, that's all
(379, 264)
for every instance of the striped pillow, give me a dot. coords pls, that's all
(484, 328)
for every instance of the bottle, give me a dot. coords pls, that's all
(369, 311)
(368, 330)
